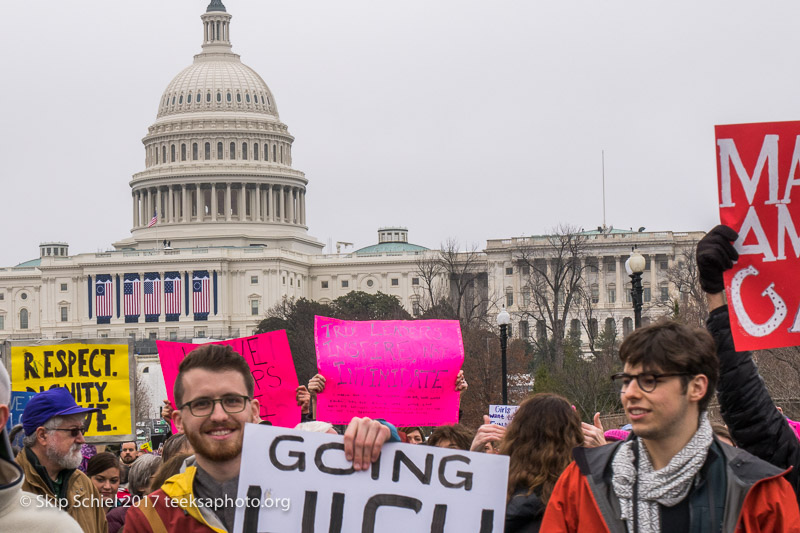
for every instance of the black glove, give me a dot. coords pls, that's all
(715, 255)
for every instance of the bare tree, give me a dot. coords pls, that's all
(431, 291)
(144, 405)
(552, 267)
(468, 280)
(689, 305)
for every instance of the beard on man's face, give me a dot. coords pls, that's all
(128, 459)
(70, 461)
(216, 450)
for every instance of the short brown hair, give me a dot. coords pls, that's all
(670, 346)
(212, 357)
(457, 434)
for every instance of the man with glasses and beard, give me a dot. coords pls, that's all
(214, 396)
(54, 426)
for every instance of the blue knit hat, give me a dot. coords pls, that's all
(46, 405)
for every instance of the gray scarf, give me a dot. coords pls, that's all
(667, 486)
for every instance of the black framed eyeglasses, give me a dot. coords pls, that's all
(647, 381)
(231, 404)
(73, 432)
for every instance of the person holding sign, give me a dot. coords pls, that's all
(214, 396)
(54, 427)
(672, 474)
(752, 418)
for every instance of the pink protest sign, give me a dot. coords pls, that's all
(402, 371)
(757, 166)
(271, 364)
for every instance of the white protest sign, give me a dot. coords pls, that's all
(502, 415)
(300, 482)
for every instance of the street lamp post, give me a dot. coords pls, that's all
(503, 320)
(634, 266)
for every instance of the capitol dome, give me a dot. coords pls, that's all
(217, 82)
(218, 159)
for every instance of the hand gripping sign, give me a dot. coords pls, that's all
(271, 364)
(398, 370)
(298, 481)
(758, 168)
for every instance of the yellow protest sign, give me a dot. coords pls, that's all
(97, 375)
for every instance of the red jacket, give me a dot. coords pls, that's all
(768, 505)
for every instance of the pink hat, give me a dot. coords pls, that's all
(795, 426)
(616, 434)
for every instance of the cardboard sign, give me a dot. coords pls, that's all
(758, 167)
(16, 406)
(293, 481)
(402, 371)
(502, 415)
(271, 364)
(96, 374)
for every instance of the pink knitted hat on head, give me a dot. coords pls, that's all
(616, 434)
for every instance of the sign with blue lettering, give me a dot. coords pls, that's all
(17, 405)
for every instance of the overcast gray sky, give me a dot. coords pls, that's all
(470, 119)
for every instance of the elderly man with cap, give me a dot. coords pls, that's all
(19, 510)
(54, 427)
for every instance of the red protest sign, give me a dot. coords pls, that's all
(758, 171)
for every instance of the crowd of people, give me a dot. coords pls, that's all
(668, 469)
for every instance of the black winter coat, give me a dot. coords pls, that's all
(524, 512)
(746, 406)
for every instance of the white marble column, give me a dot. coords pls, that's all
(213, 206)
(257, 200)
(228, 202)
(135, 196)
(241, 206)
(187, 214)
(291, 205)
(170, 206)
(270, 204)
(282, 215)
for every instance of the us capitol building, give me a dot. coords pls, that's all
(219, 231)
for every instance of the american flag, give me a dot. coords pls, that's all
(172, 293)
(152, 294)
(103, 296)
(200, 292)
(131, 295)
(154, 219)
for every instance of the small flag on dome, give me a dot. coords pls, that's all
(153, 220)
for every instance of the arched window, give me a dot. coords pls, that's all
(183, 152)
(200, 97)
(164, 154)
(281, 154)
(627, 326)
(255, 151)
(219, 97)
(575, 327)
(180, 99)
(219, 150)
(228, 97)
(275, 153)
(208, 151)
(172, 150)
(233, 151)
(244, 150)
(610, 327)
(239, 98)
(173, 100)
(247, 98)
(23, 319)
(593, 327)
(208, 96)
(189, 98)
(156, 155)
(195, 155)
(266, 152)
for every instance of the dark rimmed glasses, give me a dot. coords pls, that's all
(231, 404)
(647, 381)
(73, 432)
